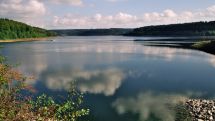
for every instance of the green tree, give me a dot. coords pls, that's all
(10, 29)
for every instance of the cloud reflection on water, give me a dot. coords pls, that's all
(96, 81)
(123, 48)
(102, 67)
(212, 60)
(148, 103)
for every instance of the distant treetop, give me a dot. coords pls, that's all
(186, 29)
(10, 29)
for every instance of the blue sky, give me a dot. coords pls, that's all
(55, 14)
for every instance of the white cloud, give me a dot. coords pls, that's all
(122, 19)
(28, 11)
(33, 12)
(169, 13)
(211, 9)
(97, 21)
(21, 8)
(71, 2)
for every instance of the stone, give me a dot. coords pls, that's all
(201, 110)
(211, 118)
(209, 112)
(200, 120)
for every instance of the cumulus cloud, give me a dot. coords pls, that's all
(22, 10)
(122, 19)
(149, 103)
(70, 2)
(96, 21)
(96, 81)
(33, 12)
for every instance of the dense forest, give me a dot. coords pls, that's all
(186, 29)
(10, 29)
(92, 32)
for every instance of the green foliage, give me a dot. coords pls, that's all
(186, 29)
(10, 29)
(11, 82)
(69, 110)
(17, 107)
(2, 59)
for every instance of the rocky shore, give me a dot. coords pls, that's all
(201, 110)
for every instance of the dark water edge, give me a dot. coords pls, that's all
(209, 47)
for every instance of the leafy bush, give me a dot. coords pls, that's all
(16, 107)
(70, 110)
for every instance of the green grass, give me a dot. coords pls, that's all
(206, 46)
(202, 44)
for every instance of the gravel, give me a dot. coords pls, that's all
(201, 110)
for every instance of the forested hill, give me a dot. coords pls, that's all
(186, 29)
(10, 29)
(92, 32)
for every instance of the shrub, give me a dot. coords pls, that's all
(16, 107)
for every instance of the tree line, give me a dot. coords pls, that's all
(185, 29)
(91, 32)
(10, 29)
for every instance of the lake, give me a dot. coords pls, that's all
(123, 80)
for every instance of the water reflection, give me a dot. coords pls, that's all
(120, 48)
(93, 81)
(212, 60)
(149, 104)
(30, 63)
(110, 71)
(34, 65)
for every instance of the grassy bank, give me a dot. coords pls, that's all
(206, 46)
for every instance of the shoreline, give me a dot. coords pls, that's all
(26, 40)
(207, 46)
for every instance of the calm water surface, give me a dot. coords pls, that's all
(122, 80)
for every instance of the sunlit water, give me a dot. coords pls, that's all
(123, 80)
